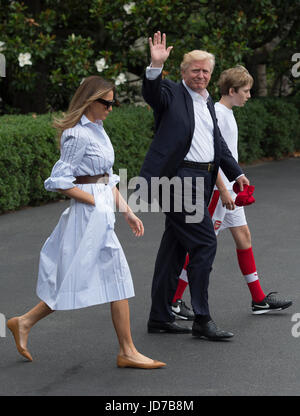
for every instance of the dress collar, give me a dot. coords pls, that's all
(84, 120)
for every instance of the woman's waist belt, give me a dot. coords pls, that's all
(104, 178)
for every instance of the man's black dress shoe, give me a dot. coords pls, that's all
(156, 327)
(210, 330)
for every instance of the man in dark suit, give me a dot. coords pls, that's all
(187, 144)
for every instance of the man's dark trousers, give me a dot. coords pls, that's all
(199, 240)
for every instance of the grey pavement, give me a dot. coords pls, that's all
(75, 351)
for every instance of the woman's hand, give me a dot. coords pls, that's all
(134, 223)
(226, 199)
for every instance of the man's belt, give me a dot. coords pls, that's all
(199, 166)
(92, 179)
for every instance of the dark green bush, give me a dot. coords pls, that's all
(281, 129)
(251, 121)
(28, 151)
(268, 127)
(130, 129)
(29, 148)
(295, 100)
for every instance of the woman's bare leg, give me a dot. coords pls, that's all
(121, 320)
(26, 321)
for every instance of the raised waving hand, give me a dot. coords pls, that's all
(158, 49)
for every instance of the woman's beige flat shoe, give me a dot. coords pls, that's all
(13, 325)
(123, 362)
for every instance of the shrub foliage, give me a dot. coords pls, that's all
(29, 146)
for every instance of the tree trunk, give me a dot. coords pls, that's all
(257, 63)
(262, 90)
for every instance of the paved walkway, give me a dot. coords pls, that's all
(75, 351)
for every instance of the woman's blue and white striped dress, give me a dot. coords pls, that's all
(82, 262)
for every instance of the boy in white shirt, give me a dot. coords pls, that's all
(235, 84)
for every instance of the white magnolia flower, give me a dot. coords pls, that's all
(2, 46)
(101, 65)
(140, 44)
(129, 7)
(24, 59)
(120, 79)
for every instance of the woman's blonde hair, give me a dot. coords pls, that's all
(197, 55)
(91, 88)
(235, 78)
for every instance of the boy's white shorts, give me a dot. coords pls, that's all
(224, 218)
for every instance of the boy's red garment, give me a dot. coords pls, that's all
(245, 197)
(248, 269)
(182, 284)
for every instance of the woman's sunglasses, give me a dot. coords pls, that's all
(106, 103)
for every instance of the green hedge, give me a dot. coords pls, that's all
(268, 127)
(28, 145)
(29, 149)
(130, 129)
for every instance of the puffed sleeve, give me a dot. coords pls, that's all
(73, 146)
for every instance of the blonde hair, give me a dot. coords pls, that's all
(197, 55)
(236, 78)
(91, 88)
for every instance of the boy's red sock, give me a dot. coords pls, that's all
(248, 268)
(182, 281)
(182, 284)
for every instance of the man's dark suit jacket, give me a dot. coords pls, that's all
(174, 125)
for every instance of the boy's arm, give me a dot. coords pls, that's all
(229, 165)
(224, 193)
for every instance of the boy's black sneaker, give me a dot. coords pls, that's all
(270, 303)
(181, 311)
